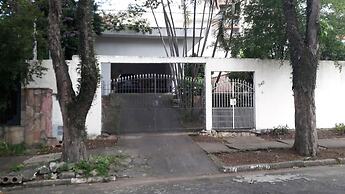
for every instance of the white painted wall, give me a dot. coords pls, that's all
(330, 95)
(274, 96)
(134, 45)
(272, 81)
(93, 121)
(129, 47)
(273, 85)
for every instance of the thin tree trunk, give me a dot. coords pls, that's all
(185, 29)
(230, 38)
(208, 28)
(160, 33)
(194, 18)
(304, 59)
(202, 26)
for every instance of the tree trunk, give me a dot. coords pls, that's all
(304, 59)
(74, 135)
(74, 108)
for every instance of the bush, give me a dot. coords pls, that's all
(340, 127)
(280, 130)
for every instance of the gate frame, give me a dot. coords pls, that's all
(250, 100)
(226, 65)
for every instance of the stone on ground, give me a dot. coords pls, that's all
(66, 175)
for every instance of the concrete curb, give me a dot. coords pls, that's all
(70, 181)
(280, 165)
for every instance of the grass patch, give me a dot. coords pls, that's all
(101, 164)
(17, 167)
(340, 127)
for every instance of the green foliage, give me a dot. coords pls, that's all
(332, 29)
(190, 86)
(246, 76)
(84, 166)
(280, 130)
(11, 150)
(265, 36)
(100, 163)
(189, 70)
(17, 167)
(69, 27)
(340, 127)
(130, 20)
(17, 18)
(16, 40)
(69, 30)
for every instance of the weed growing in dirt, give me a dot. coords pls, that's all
(340, 127)
(17, 167)
(11, 150)
(101, 164)
(280, 130)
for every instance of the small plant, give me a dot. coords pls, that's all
(11, 150)
(101, 164)
(280, 130)
(340, 127)
(17, 167)
(84, 166)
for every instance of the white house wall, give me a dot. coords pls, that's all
(93, 121)
(272, 80)
(330, 95)
(125, 46)
(273, 91)
(274, 103)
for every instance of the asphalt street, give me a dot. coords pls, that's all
(313, 180)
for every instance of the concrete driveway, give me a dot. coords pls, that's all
(167, 155)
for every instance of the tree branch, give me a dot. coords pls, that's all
(292, 24)
(313, 25)
(64, 84)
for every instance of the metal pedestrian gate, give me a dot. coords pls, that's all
(233, 105)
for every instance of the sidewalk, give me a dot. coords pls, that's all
(252, 143)
(249, 153)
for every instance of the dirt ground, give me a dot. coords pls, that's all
(274, 155)
(90, 144)
(321, 133)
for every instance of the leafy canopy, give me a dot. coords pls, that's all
(264, 34)
(16, 43)
(129, 20)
